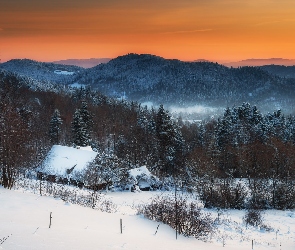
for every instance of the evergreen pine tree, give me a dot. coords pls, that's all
(54, 127)
(170, 143)
(86, 116)
(80, 133)
(82, 125)
(224, 130)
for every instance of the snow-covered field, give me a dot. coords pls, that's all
(24, 219)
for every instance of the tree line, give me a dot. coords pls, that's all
(242, 143)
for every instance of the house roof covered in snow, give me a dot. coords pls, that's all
(135, 172)
(142, 177)
(61, 159)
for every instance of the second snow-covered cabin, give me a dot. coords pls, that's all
(143, 178)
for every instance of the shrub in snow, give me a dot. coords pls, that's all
(253, 217)
(222, 194)
(185, 217)
(272, 193)
(68, 194)
(260, 193)
(106, 205)
(284, 196)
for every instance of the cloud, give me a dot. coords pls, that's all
(270, 22)
(277, 21)
(187, 31)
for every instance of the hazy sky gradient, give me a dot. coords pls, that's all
(218, 30)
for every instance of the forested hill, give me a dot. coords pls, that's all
(149, 78)
(280, 70)
(41, 71)
(173, 82)
(21, 80)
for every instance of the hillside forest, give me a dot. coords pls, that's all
(208, 156)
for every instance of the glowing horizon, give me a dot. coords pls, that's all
(215, 30)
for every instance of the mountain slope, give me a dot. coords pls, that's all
(29, 82)
(280, 70)
(148, 78)
(42, 72)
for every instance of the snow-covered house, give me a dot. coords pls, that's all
(143, 179)
(63, 164)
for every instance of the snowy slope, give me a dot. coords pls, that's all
(24, 217)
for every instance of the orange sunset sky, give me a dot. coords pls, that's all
(216, 30)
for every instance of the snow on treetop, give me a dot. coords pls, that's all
(61, 158)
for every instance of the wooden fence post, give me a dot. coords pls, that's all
(40, 187)
(50, 217)
(121, 226)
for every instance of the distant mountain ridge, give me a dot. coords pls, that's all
(262, 62)
(84, 63)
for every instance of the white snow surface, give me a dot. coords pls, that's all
(24, 220)
(24, 217)
(64, 72)
(61, 158)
